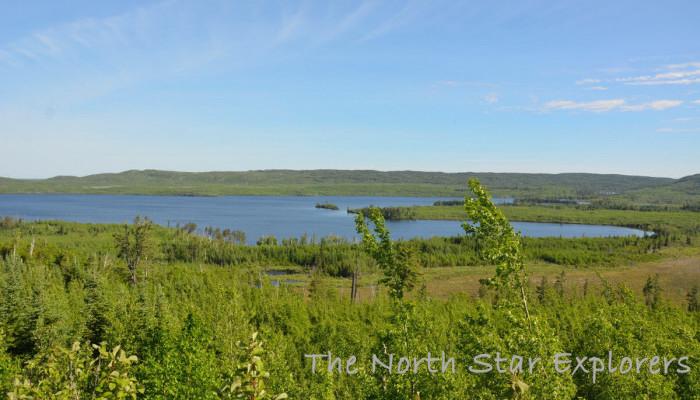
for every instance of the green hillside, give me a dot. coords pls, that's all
(338, 182)
(682, 191)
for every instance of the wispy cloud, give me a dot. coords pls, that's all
(75, 63)
(407, 14)
(593, 106)
(587, 81)
(172, 28)
(673, 74)
(657, 105)
(459, 83)
(678, 130)
(670, 78)
(84, 34)
(7, 58)
(690, 75)
(684, 65)
(292, 25)
(598, 88)
(611, 105)
(491, 98)
(348, 21)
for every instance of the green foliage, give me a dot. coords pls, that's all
(189, 323)
(389, 213)
(652, 291)
(497, 241)
(671, 221)
(396, 260)
(185, 320)
(340, 182)
(8, 366)
(249, 382)
(624, 326)
(542, 290)
(182, 366)
(133, 245)
(409, 332)
(509, 328)
(267, 241)
(63, 243)
(693, 299)
(80, 372)
(559, 283)
(226, 235)
(328, 206)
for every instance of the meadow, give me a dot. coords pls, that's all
(684, 222)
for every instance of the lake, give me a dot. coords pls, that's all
(281, 216)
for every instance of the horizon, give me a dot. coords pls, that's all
(606, 88)
(350, 170)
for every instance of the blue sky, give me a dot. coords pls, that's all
(526, 86)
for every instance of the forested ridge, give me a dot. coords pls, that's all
(350, 182)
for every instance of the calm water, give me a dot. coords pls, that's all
(283, 217)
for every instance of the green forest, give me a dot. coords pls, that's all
(623, 189)
(143, 311)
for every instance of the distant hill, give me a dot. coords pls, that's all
(340, 182)
(689, 184)
(685, 190)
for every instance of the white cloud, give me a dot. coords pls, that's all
(684, 65)
(687, 77)
(404, 16)
(587, 81)
(610, 105)
(593, 106)
(449, 83)
(665, 82)
(7, 58)
(696, 102)
(349, 21)
(491, 98)
(678, 130)
(457, 83)
(292, 25)
(657, 105)
(673, 74)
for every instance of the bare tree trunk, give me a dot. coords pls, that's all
(353, 289)
(132, 270)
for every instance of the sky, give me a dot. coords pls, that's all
(520, 86)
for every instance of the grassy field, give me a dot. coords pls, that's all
(678, 273)
(681, 221)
